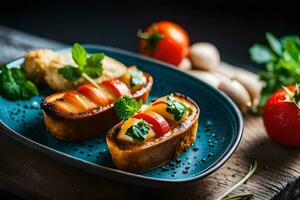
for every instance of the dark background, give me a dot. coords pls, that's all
(233, 26)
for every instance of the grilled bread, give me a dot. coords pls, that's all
(87, 112)
(172, 127)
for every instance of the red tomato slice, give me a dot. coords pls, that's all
(159, 124)
(74, 99)
(93, 94)
(118, 87)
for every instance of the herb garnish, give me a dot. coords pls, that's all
(282, 61)
(138, 130)
(245, 196)
(137, 77)
(176, 107)
(126, 107)
(14, 84)
(87, 67)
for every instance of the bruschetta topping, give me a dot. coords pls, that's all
(93, 94)
(118, 87)
(162, 115)
(88, 96)
(158, 123)
(135, 130)
(170, 108)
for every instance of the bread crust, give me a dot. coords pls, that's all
(154, 153)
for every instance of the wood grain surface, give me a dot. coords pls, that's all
(33, 175)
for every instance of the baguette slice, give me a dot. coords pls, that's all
(154, 152)
(85, 125)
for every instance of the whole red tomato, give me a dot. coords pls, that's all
(164, 41)
(282, 116)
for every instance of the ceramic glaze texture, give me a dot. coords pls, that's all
(220, 125)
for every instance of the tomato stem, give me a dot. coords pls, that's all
(151, 39)
(293, 96)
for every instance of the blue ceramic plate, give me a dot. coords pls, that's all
(219, 132)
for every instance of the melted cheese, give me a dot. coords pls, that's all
(125, 138)
(161, 108)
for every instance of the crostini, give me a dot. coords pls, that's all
(155, 134)
(88, 111)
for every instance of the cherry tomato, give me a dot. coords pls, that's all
(94, 94)
(159, 124)
(164, 41)
(282, 117)
(118, 87)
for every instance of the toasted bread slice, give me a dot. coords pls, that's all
(88, 124)
(152, 153)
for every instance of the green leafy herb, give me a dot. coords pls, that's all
(137, 77)
(70, 73)
(93, 66)
(139, 130)
(14, 85)
(260, 54)
(245, 196)
(176, 107)
(126, 107)
(87, 67)
(282, 64)
(274, 43)
(79, 54)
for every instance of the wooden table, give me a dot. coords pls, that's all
(31, 174)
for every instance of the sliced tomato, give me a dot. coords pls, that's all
(94, 94)
(159, 124)
(118, 87)
(74, 99)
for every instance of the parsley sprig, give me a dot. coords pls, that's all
(282, 64)
(126, 107)
(87, 67)
(175, 107)
(14, 84)
(138, 130)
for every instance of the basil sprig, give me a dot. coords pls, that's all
(175, 107)
(139, 130)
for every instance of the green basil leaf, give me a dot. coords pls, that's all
(79, 54)
(70, 73)
(274, 44)
(260, 54)
(14, 85)
(291, 48)
(18, 74)
(175, 107)
(27, 89)
(93, 66)
(139, 130)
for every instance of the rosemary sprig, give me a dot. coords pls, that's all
(245, 196)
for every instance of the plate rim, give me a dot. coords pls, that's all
(98, 169)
